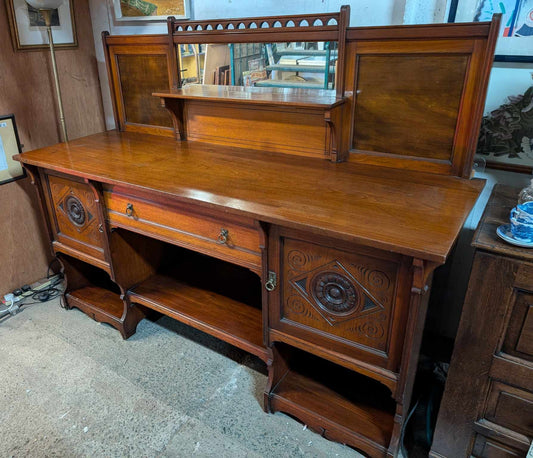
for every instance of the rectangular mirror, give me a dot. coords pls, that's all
(309, 65)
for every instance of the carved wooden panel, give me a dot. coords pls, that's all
(75, 214)
(347, 295)
(518, 339)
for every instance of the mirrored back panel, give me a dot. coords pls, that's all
(303, 65)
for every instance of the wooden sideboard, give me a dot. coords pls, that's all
(487, 408)
(275, 219)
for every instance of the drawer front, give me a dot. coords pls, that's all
(74, 216)
(485, 447)
(345, 301)
(236, 240)
(511, 408)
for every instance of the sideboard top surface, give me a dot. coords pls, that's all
(411, 213)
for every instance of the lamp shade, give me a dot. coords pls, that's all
(45, 4)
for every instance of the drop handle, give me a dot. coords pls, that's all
(129, 210)
(223, 237)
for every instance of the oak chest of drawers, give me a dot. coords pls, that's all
(487, 408)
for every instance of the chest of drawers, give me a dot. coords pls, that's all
(487, 408)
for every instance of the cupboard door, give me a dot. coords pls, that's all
(339, 299)
(75, 217)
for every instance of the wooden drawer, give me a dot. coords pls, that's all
(511, 408)
(485, 447)
(75, 220)
(233, 239)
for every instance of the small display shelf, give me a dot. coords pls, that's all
(334, 401)
(304, 122)
(303, 98)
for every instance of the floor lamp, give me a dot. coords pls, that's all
(46, 8)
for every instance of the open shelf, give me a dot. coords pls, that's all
(229, 320)
(308, 98)
(216, 297)
(341, 404)
(99, 303)
(300, 68)
(91, 290)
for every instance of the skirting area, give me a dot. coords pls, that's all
(73, 387)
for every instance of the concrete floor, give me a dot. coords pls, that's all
(73, 387)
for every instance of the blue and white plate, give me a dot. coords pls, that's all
(504, 232)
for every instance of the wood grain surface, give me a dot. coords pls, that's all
(407, 212)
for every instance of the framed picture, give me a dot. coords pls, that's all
(506, 134)
(153, 10)
(28, 29)
(10, 169)
(515, 40)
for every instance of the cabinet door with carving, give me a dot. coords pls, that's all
(336, 299)
(75, 218)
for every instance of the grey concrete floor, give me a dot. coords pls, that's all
(72, 387)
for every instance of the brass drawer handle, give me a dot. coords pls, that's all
(129, 210)
(223, 237)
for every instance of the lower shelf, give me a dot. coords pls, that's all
(341, 405)
(227, 319)
(99, 303)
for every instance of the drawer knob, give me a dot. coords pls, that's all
(129, 210)
(101, 227)
(223, 237)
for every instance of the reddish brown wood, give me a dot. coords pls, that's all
(350, 202)
(324, 398)
(303, 122)
(298, 98)
(489, 388)
(222, 317)
(370, 235)
(137, 66)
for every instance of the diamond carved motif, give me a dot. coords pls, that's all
(75, 211)
(335, 294)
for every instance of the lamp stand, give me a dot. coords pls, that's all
(47, 15)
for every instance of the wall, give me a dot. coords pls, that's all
(26, 89)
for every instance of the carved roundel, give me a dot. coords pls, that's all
(335, 293)
(75, 210)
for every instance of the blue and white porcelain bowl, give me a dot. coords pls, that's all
(522, 222)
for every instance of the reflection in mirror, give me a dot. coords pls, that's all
(310, 65)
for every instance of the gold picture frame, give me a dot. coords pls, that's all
(29, 33)
(10, 170)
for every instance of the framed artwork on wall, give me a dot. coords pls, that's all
(152, 10)
(506, 134)
(10, 169)
(515, 41)
(28, 31)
